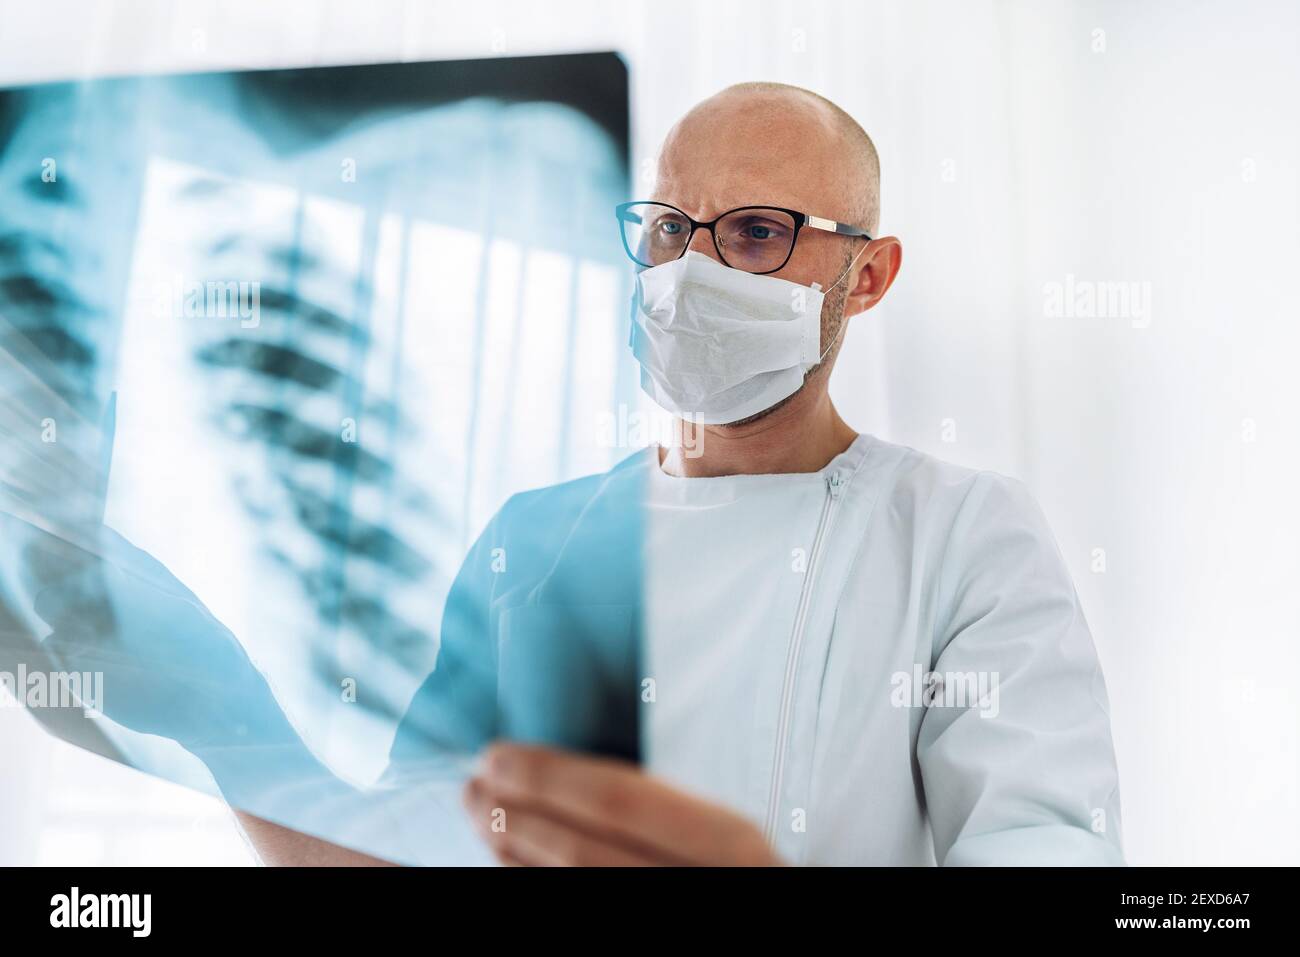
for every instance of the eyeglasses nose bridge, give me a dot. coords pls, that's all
(709, 247)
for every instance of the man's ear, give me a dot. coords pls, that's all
(881, 261)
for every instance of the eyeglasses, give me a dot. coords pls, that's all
(757, 239)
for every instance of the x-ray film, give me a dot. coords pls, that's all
(282, 354)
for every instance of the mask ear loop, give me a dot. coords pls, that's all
(818, 288)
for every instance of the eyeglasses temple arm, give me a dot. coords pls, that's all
(816, 222)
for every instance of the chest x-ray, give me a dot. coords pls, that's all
(275, 347)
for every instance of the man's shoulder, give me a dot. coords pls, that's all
(556, 507)
(975, 524)
(927, 486)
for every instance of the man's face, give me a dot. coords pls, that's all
(747, 150)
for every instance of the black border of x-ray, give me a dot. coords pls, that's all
(594, 83)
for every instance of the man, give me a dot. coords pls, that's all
(855, 653)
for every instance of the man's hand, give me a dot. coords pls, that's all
(536, 806)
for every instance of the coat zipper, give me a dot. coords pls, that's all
(834, 485)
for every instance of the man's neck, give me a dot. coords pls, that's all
(801, 436)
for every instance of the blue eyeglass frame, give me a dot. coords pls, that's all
(623, 212)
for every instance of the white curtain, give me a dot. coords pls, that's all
(1098, 207)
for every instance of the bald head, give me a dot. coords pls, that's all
(771, 143)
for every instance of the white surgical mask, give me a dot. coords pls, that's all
(717, 344)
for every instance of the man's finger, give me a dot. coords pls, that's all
(618, 801)
(529, 838)
(533, 839)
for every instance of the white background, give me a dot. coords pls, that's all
(1022, 143)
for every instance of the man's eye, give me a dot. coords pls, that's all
(759, 231)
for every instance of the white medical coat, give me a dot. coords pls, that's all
(788, 620)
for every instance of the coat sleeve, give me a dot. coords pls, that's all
(454, 712)
(1025, 773)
